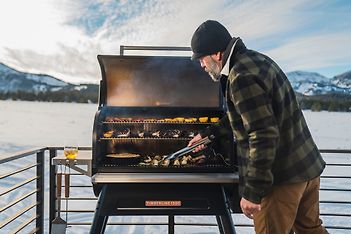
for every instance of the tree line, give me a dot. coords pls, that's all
(50, 96)
(329, 102)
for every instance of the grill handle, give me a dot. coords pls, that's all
(58, 184)
(67, 184)
(123, 48)
(58, 192)
(186, 150)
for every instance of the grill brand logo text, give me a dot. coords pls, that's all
(163, 203)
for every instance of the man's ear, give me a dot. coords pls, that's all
(219, 55)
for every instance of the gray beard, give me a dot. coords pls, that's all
(214, 76)
(214, 71)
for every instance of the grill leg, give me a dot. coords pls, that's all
(226, 220)
(104, 222)
(99, 225)
(99, 222)
(226, 224)
(170, 224)
(219, 223)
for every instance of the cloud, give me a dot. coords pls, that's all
(314, 52)
(69, 64)
(63, 37)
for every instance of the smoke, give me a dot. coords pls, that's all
(158, 81)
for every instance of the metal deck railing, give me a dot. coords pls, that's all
(28, 200)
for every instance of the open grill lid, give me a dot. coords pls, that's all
(155, 81)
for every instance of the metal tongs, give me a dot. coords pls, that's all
(179, 153)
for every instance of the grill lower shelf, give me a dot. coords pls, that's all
(165, 199)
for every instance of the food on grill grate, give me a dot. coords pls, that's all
(176, 133)
(148, 159)
(165, 163)
(123, 155)
(117, 119)
(214, 119)
(203, 119)
(156, 134)
(190, 120)
(199, 159)
(141, 134)
(172, 133)
(158, 157)
(185, 160)
(179, 119)
(165, 120)
(191, 134)
(155, 162)
(123, 133)
(150, 120)
(108, 134)
(176, 162)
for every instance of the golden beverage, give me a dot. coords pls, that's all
(71, 153)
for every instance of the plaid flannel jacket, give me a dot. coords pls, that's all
(274, 144)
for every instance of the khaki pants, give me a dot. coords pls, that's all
(291, 207)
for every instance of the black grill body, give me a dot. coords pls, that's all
(164, 89)
(143, 101)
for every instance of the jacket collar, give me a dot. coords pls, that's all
(234, 46)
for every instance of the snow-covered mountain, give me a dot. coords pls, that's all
(312, 83)
(306, 83)
(12, 80)
(18, 85)
(343, 80)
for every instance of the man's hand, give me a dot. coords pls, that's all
(249, 208)
(194, 140)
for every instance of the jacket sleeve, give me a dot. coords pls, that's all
(253, 103)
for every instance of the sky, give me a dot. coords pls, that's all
(63, 37)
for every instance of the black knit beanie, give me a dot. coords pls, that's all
(210, 37)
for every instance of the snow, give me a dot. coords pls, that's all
(5, 69)
(42, 80)
(24, 125)
(31, 124)
(49, 80)
(80, 87)
(301, 76)
(311, 83)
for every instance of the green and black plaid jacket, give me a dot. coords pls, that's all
(274, 144)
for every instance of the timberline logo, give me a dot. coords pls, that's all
(163, 203)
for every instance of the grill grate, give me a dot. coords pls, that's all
(146, 138)
(171, 166)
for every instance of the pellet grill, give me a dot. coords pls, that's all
(150, 107)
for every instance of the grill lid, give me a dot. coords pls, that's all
(142, 81)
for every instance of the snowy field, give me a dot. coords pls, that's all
(24, 125)
(30, 124)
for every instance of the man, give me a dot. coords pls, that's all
(279, 163)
